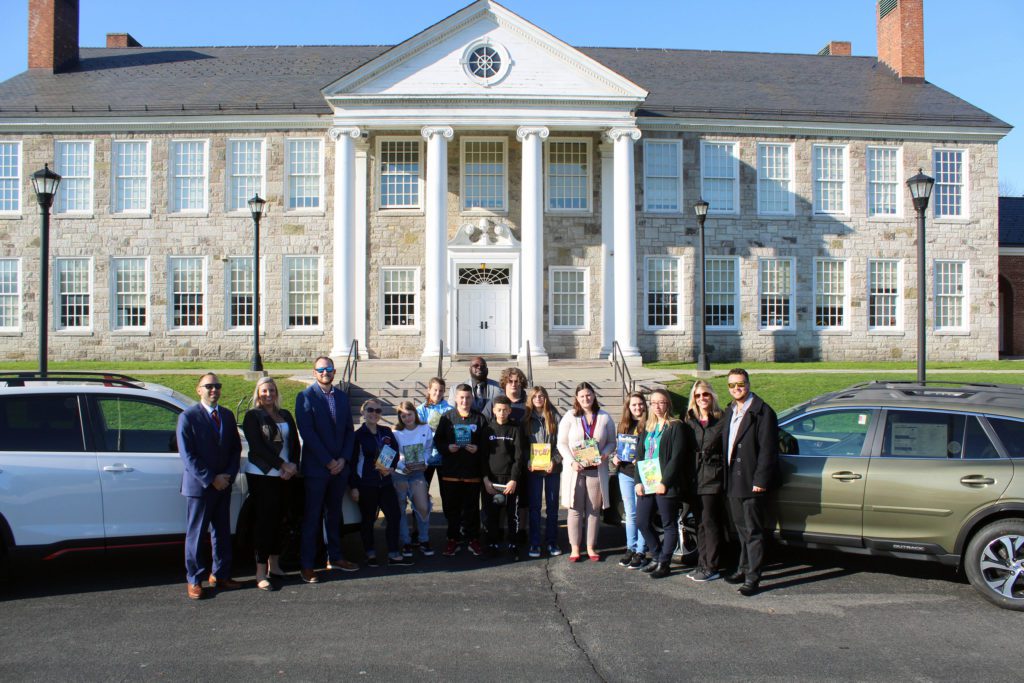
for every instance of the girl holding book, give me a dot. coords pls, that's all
(375, 455)
(415, 440)
(586, 439)
(430, 412)
(545, 468)
(704, 419)
(662, 459)
(631, 432)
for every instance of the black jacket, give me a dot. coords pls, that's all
(505, 459)
(755, 455)
(461, 464)
(265, 442)
(675, 453)
(709, 460)
(368, 445)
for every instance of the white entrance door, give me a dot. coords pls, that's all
(484, 319)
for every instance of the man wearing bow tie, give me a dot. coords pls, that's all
(210, 448)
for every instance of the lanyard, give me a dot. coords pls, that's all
(588, 430)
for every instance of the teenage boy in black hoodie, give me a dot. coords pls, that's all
(504, 464)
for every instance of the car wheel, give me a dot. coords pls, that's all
(994, 563)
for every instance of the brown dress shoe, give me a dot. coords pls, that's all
(224, 584)
(309, 576)
(195, 591)
(343, 565)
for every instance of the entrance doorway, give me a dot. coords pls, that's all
(484, 324)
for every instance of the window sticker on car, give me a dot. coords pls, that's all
(862, 419)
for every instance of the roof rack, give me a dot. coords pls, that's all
(19, 379)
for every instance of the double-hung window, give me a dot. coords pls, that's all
(830, 174)
(719, 176)
(663, 176)
(400, 172)
(240, 292)
(950, 192)
(74, 164)
(188, 170)
(662, 292)
(484, 174)
(568, 298)
(74, 293)
(950, 295)
(885, 294)
(10, 295)
(10, 177)
(245, 173)
(187, 281)
(302, 297)
(399, 288)
(305, 176)
(722, 292)
(775, 194)
(130, 280)
(568, 175)
(131, 176)
(831, 294)
(776, 293)
(884, 191)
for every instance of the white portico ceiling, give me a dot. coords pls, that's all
(540, 80)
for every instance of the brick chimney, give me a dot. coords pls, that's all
(122, 40)
(52, 34)
(901, 37)
(837, 48)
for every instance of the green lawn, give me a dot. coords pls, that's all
(126, 367)
(235, 388)
(723, 366)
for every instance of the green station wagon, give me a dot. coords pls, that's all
(910, 470)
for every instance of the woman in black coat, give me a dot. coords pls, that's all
(273, 460)
(704, 419)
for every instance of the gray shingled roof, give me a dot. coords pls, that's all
(682, 84)
(1011, 221)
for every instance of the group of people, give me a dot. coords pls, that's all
(499, 451)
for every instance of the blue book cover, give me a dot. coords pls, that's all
(625, 447)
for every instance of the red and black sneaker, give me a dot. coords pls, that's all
(451, 548)
(474, 547)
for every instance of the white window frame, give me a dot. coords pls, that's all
(288, 259)
(230, 178)
(871, 182)
(790, 188)
(381, 294)
(420, 163)
(965, 184)
(869, 277)
(965, 297)
(792, 292)
(735, 155)
(18, 295)
(587, 195)
(462, 175)
(661, 142)
(228, 271)
(114, 326)
(846, 296)
(115, 179)
(736, 299)
(680, 314)
(288, 175)
(90, 292)
(16, 211)
(171, 326)
(585, 271)
(172, 178)
(60, 199)
(844, 182)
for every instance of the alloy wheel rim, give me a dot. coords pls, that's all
(1002, 566)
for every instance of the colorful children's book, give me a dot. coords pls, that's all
(433, 418)
(540, 456)
(387, 457)
(463, 435)
(650, 474)
(413, 454)
(625, 447)
(586, 453)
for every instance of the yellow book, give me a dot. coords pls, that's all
(540, 456)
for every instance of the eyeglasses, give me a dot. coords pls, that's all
(374, 410)
(329, 368)
(212, 385)
(702, 395)
(737, 385)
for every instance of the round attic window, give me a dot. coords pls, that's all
(486, 62)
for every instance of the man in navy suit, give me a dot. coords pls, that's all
(210, 448)
(323, 415)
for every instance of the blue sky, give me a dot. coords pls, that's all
(971, 49)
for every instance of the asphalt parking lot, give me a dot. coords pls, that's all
(124, 616)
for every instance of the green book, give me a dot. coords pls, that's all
(650, 474)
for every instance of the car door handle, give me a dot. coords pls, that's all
(976, 480)
(846, 476)
(118, 467)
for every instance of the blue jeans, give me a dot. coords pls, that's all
(407, 486)
(546, 484)
(627, 487)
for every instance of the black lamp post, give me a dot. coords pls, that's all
(45, 183)
(921, 190)
(256, 206)
(701, 209)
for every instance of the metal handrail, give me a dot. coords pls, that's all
(351, 371)
(440, 358)
(621, 370)
(529, 365)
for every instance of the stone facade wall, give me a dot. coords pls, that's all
(1011, 276)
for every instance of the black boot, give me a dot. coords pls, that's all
(651, 566)
(661, 570)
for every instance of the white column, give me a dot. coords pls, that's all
(436, 239)
(361, 292)
(344, 239)
(607, 249)
(533, 245)
(624, 212)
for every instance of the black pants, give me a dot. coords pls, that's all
(668, 510)
(494, 513)
(748, 515)
(710, 515)
(266, 497)
(461, 500)
(372, 499)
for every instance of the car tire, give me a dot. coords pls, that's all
(994, 563)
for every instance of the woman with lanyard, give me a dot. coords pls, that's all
(541, 424)
(670, 443)
(631, 428)
(371, 485)
(586, 438)
(273, 460)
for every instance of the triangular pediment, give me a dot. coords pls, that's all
(483, 53)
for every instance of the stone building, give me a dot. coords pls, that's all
(1011, 276)
(484, 187)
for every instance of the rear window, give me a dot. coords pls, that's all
(1011, 433)
(41, 423)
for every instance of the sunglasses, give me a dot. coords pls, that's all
(702, 395)
(212, 385)
(375, 410)
(329, 368)
(737, 385)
